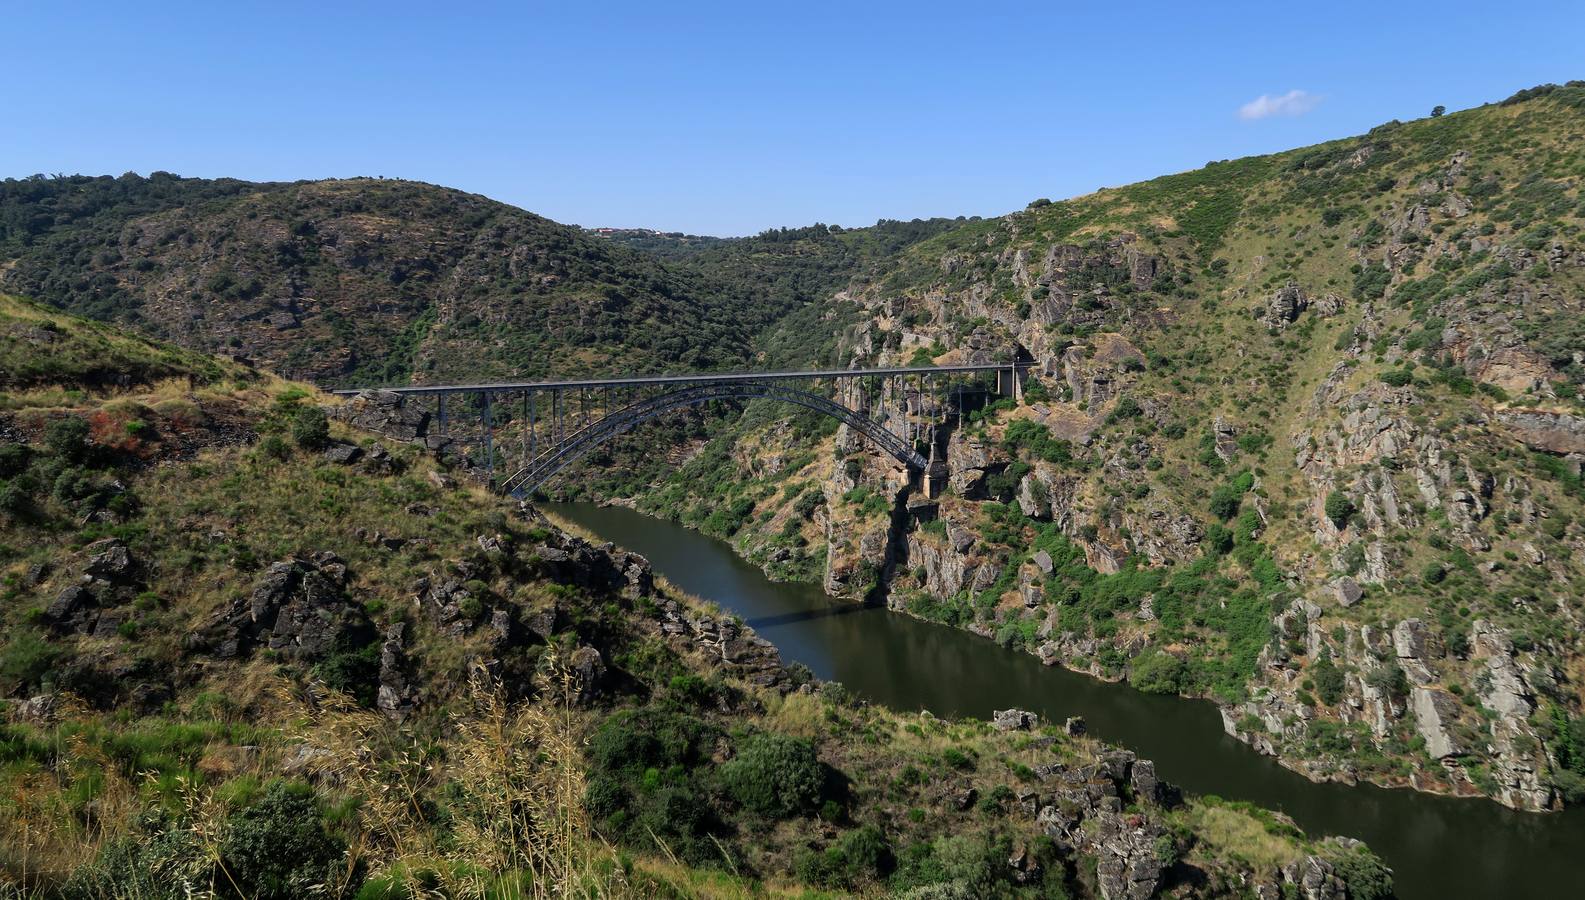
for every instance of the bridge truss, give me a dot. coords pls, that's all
(522, 434)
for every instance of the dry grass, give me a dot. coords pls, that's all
(1231, 833)
(515, 786)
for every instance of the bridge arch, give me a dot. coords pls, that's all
(580, 443)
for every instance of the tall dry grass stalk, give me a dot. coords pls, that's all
(512, 777)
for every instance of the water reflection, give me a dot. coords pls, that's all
(1439, 847)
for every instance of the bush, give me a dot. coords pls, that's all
(775, 775)
(1328, 678)
(68, 439)
(1366, 877)
(644, 774)
(26, 659)
(14, 459)
(1156, 672)
(1339, 508)
(310, 428)
(278, 848)
(857, 856)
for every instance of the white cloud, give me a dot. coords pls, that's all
(1293, 103)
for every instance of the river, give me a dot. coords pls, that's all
(1438, 847)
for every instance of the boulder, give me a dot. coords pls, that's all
(385, 412)
(587, 669)
(1547, 431)
(1014, 720)
(298, 608)
(1284, 306)
(111, 561)
(1347, 591)
(343, 454)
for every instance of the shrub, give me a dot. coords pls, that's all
(860, 855)
(1366, 877)
(1156, 672)
(14, 459)
(310, 428)
(26, 659)
(775, 775)
(1339, 508)
(1328, 678)
(278, 848)
(273, 446)
(68, 439)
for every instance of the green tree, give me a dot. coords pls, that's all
(1158, 672)
(67, 438)
(279, 848)
(1339, 509)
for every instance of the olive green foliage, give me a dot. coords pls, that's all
(859, 856)
(1328, 678)
(650, 774)
(310, 428)
(1227, 498)
(278, 848)
(775, 775)
(1365, 875)
(1157, 672)
(1339, 508)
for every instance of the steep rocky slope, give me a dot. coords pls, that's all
(1303, 434)
(248, 652)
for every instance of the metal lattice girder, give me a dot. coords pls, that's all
(548, 463)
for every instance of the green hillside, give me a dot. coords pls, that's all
(1303, 433)
(250, 652)
(1304, 436)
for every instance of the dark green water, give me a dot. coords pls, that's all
(1438, 847)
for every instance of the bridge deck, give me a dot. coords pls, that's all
(694, 378)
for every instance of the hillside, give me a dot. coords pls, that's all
(362, 281)
(249, 652)
(1303, 436)
(369, 281)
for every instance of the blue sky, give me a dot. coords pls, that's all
(730, 118)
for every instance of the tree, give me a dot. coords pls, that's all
(1437, 111)
(68, 438)
(1339, 509)
(1156, 672)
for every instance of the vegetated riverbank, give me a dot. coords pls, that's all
(1438, 846)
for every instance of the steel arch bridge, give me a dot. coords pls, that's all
(556, 423)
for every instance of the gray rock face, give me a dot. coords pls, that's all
(1413, 639)
(1347, 591)
(385, 412)
(1042, 561)
(1548, 431)
(397, 694)
(111, 561)
(587, 667)
(343, 454)
(1435, 712)
(299, 608)
(1284, 306)
(1015, 720)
